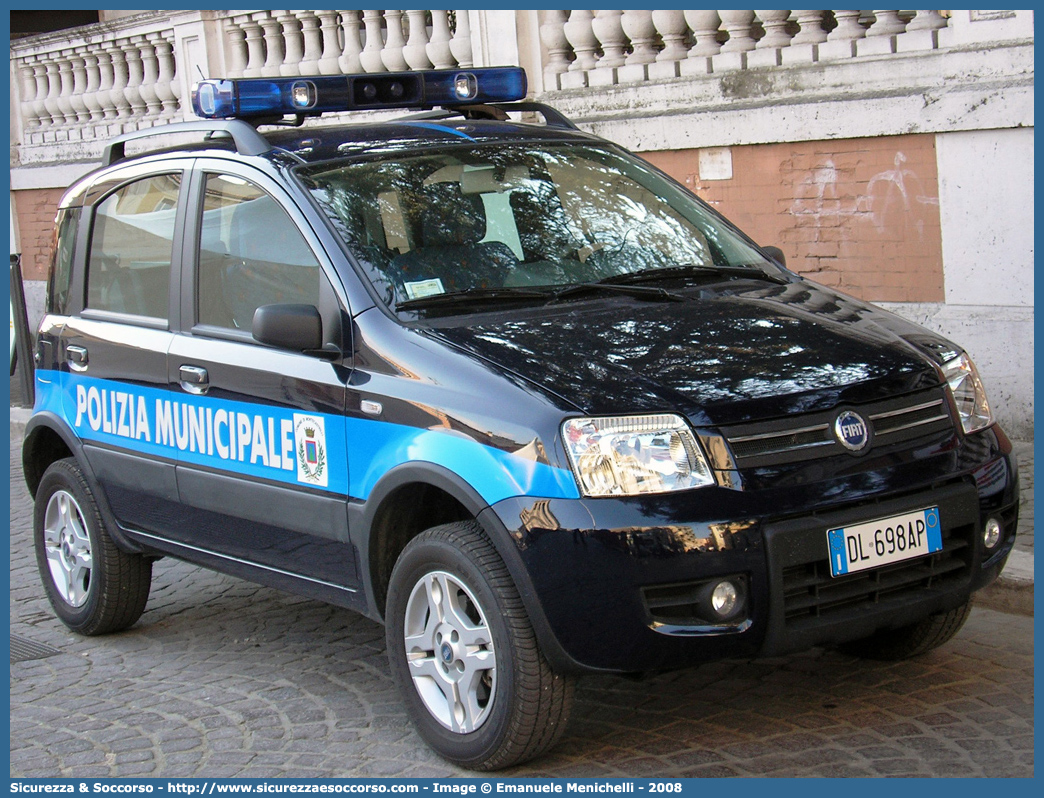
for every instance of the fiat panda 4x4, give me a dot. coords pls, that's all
(500, 385)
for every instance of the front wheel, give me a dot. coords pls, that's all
(464, 655)
(910, 641)
(94, 587)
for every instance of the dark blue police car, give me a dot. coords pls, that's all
(500, 385)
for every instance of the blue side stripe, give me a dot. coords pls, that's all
(347, 456)
(378, 446)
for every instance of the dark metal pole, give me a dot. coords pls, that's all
(23, 335)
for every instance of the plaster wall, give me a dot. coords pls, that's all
(986, 210)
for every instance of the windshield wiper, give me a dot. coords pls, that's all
(472, 296)
(693, 270)
(636, 291)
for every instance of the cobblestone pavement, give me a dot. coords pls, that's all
(222, 678)
(1024, 458)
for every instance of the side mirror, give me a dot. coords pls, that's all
(776, 254)
(296, 327)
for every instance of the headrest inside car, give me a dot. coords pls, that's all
(450, 217)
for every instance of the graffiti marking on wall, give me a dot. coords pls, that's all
(891, 198)
(886, 188)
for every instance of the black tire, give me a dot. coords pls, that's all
(527, 707)
(111, 593)
(913, 640)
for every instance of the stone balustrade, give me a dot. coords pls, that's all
(96, 83)
(286, 43)
(78, 88)
(601, 48)
(74, 89)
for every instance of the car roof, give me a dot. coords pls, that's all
(317, 144)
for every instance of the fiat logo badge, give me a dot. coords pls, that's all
(851, 431)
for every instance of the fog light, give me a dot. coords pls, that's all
(724, 598)
(992, 535)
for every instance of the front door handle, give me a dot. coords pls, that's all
(76, 356)
(194, 379)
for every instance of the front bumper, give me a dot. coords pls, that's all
(595, 572)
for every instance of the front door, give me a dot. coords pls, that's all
(262, 469)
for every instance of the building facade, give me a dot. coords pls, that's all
(889, 154)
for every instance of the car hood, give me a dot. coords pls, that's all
(727, 354)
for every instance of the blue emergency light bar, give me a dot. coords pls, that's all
(244, 98)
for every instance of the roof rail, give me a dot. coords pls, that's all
(246, 138)
(552, 116)
(498, 111)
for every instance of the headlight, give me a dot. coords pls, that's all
(631, 455)
(968, 393)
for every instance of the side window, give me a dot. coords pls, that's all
(250, 254)
(128, 268)
(61, 261)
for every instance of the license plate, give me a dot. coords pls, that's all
(887, 540)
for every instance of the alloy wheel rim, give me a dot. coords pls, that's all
(449, 650)
(68, 548)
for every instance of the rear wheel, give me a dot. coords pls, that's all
(913, 640)
(464, 656)
(93, 586)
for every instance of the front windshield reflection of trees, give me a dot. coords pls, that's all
(504, 217)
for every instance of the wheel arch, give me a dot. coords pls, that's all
(378, 550)
(405, 502)
(48, 439)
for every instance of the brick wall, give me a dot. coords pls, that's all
(36, 209)
(861, 215)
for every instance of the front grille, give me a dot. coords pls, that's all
(810, 591)
(811, 436)
(908, 418)
(777, 442)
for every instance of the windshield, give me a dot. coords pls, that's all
(491, 221)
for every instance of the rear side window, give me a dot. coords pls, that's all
(61, 261)
(128, 268)
(250, 254)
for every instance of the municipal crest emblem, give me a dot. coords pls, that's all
(310, 443)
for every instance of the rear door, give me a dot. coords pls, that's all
(262, 470)
(113, 347)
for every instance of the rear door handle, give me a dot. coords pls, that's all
(76, 356)
(194, 379)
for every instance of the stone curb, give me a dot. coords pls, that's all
(1012, 592)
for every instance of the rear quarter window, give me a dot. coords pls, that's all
(62, 250)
